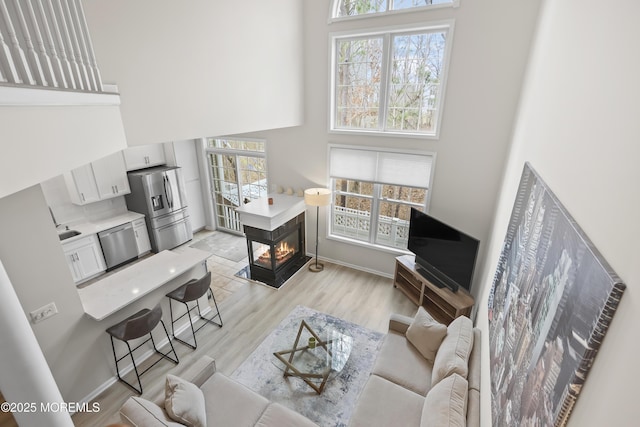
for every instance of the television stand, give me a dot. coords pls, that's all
(441, 303)
(435, 281)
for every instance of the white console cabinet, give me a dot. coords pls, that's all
(84, 257)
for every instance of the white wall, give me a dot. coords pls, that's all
(578, 126)
(38, 143)
(206, 69)
(490, 48)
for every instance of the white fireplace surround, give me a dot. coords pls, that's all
(260, 214)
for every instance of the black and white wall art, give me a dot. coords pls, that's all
(552, 300)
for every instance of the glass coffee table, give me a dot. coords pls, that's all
(317, 352)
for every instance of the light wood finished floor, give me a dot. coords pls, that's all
(253, 311)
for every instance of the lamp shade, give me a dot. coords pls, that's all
(317, 196)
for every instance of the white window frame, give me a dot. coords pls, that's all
(387, 32)
(376, 198)
(335, 7)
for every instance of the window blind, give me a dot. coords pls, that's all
(383, 167)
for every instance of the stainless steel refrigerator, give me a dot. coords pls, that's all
(159, 194)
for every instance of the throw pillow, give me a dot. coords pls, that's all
(184, 402)
(446, 403)
(426, 334)
(453, 354)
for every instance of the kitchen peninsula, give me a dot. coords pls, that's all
(117, 291)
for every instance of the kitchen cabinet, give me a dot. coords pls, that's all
(84, 257)
(100, 180)
(82, 185)
(144, 156)
(142, 236)
(110, 175)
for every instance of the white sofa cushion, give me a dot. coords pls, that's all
(383, 404)
(426, 334)
(446, 403)
(453, 354)
(184, 402)
(140, 412)
(277, 415)
(400, 362)
(229, 403)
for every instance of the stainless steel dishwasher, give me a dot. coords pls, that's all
(118, 245)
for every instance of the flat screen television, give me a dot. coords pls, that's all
(444, 256)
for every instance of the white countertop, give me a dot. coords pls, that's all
(95, 227)
(260, 214)
(116, 291)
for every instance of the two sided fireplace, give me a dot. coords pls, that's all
(275, 255)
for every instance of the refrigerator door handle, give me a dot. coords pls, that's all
(167, 191)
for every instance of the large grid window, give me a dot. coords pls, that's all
(390, 82)
(374, 191)
(350, 8)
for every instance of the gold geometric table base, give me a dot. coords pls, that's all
(295, 372)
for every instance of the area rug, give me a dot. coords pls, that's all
(224, 245)
(263, 373)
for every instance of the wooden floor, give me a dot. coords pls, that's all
(253, 311)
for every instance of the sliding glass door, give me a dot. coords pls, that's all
(238, 173)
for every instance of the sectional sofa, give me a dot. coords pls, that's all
(426, 374)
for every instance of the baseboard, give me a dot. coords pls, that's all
(139, 359)
(355, 267)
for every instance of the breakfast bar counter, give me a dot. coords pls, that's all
(118, 290)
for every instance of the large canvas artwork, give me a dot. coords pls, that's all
(552, 300)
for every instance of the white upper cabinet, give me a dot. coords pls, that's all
(111, 176)
(82, 185)
(144, 156)
(100, 180)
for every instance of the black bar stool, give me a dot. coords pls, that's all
(137, 326)
(192, 291)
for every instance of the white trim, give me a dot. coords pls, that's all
(352, 266)
(333, 11)
(15, 96)
(447, 25)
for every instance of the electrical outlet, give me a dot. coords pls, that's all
(43, 312)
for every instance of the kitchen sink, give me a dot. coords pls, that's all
(68, 233)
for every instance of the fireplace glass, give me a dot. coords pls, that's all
(272, 256)
(275, 255)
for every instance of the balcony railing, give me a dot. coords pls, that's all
(356, 224)
(46, 44)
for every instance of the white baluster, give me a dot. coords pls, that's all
(71, 28)
(32, 56)
(92, 57)
(19, 59)
(82, 43)
(56, 63)
(45, 60)
(6, 64)
(67, 68)
(65, 28)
